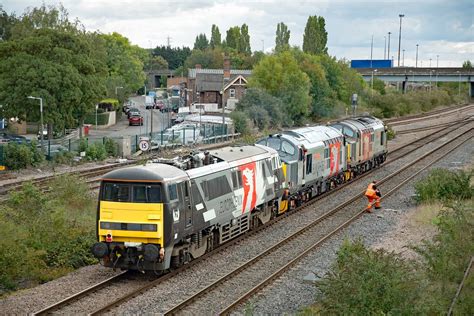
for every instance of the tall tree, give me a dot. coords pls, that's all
(6, 24)
(467, 64)
(125, 63)
(215, 37)
(244, 41)
(232, 39)
(201, 42)
(315, 36)
(175, 56)
(281, 76)
(282, 37)
(53, 60)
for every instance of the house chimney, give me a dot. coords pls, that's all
(226, 67)
(198, 66)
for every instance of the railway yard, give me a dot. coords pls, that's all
(273, 268)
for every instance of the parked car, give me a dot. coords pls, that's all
(14, 138)
(159, 104)
(133, 111)
(135, 120)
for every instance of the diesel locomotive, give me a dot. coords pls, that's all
(167, 212)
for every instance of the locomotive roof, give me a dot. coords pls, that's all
(309, 136)
(233, 153)
(149, 172)
(365, 121)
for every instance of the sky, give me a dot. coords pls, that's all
(443, 29)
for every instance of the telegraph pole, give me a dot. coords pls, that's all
(388, 47)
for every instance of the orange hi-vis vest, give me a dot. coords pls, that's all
(370, 192)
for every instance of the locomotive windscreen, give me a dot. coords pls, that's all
(135, 193)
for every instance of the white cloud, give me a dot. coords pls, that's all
(441, 27)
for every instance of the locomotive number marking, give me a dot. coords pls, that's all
(226, 205)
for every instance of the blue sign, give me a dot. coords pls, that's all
(2, 123)
(152, 93)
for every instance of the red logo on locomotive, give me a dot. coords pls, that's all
(250, 186)
(334, 157)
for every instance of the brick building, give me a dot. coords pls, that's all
(219, 86)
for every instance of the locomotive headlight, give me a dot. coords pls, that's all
(149, 227)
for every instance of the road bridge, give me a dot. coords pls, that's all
(407, 75)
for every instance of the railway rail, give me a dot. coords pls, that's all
(400, 153)
(431, 115)
(75, 297)
(438, 126)
(263, 269)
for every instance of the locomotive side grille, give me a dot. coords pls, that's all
(229, 232)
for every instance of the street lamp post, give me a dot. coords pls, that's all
(400, 38)
(96, 108)
(459, 88)
(437, 59)
(388, 46)
(430, 62)
(416, 60)
(403, 58)
(372, 91)
(2, 118)
(41, 119)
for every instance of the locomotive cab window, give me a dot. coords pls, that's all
(136, 193)
(173, 194)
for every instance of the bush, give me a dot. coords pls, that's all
(43, 235)
(111, 147)
(64, 157)
(96, 152)
(366, 282)
(444, 185)
(240, 122)
(447, 257)
(18, 156)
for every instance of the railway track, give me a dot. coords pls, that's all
(75, 297)
(427, 128)
(246, 280)
(90, 176)
(97, 171)
(429, 115)
(396, 154)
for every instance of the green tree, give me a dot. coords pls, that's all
(262, 108)
(125, 64)
(215, 37)
(6, 24)
(281, 77)
(315, 36)
(467, 64)
(211, 58)
(282, 37)
(244, 41)
(232, 39)
(201, 42)
(156, 63)
(66, 70)
(175, 56)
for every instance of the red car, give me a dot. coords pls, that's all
(135, 120)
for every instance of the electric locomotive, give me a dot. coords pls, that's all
(164, 214)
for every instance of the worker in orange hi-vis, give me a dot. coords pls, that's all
(373, 195)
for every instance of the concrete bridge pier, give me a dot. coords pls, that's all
(471, 89)
(405, 85)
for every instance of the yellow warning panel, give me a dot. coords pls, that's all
(2, 168)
